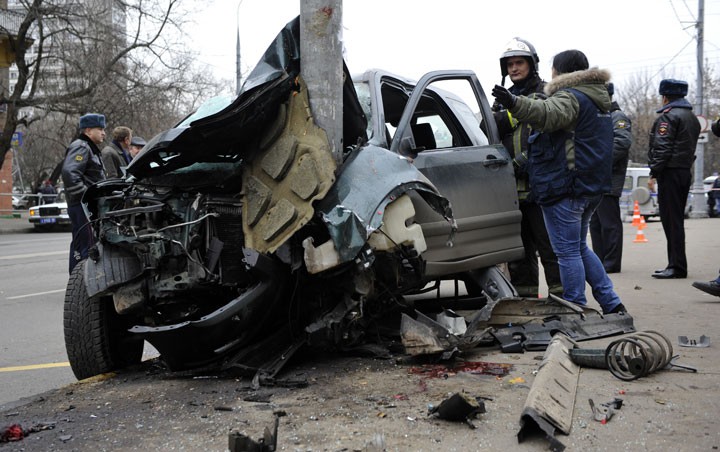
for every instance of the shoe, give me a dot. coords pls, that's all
(669, 273)
(712, 287)
(613, 270)
(660, 270)
(619, 309)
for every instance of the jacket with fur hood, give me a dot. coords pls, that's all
(560, 109)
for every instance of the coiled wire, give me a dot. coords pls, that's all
(638, 355)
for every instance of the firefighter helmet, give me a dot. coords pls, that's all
(518, 47)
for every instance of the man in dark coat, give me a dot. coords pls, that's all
(673, 139)
(519, 61)
(116, 155)
(82, 167)
(606, 228)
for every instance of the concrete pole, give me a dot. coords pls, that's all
(321, 66)
(238, 70)
(699, 205)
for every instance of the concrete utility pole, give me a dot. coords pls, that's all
(321, 67)
(699, 205)
(238, 70)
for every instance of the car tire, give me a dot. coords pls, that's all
(96, 337)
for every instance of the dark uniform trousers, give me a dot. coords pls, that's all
(606, 232)
(673, 189)
(524, 273)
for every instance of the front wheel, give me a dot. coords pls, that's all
(96, 336)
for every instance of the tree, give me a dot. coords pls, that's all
(118, 57)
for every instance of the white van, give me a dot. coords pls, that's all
(636, 188)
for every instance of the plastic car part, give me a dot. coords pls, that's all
(528, 324)
(551, 401)
(703, 341)
(459, 407)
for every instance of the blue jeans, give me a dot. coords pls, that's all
(567, 224)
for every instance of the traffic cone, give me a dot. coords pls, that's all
(636, 215)
(640, 236)
(642, 224)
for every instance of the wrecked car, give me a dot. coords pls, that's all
(236, 237)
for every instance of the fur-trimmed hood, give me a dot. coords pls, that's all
(573, 79)
(591, 82)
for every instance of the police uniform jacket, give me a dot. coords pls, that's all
(82, 167)
(673, 137)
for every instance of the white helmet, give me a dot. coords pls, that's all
(518, 47)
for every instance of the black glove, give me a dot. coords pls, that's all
(503, 96)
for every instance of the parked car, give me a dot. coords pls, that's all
(238, 236)
(50, 216)
(22, 201)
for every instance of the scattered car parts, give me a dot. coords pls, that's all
(605, 411)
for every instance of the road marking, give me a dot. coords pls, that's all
(33, 367)
(35, 294)
(22, 256)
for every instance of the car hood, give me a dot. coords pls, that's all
(220, 133)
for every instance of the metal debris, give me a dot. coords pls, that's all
(551, 401)
(603, 412)
(703, 341)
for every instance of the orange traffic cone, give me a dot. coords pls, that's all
(636, 215)
(642, 224)
(640, 236)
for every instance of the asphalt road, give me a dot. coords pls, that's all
(350, 401)
(33, 274)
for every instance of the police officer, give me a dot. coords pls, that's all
(606, 229)
(673, 138)
(520, 61)
(82, 167)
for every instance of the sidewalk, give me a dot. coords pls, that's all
(15, 222)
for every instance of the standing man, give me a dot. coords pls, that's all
(673, 138)
(82, 167)
(116, 155)
(570, 164)
(519, 61)
(606, 228)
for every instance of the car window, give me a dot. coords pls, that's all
(643, 181)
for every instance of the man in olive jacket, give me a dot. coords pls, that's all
(673, 139)
(82, 167)
(569, 165)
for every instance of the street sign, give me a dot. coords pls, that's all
(704, 124)
(703, 137)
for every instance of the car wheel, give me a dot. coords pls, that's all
(96, 337)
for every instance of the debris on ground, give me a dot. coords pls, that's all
(703, 341)
(551, 400)
(605, 411)
(459, 407)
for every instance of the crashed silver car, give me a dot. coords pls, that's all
(235, 237)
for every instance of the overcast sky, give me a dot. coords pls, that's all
(411, 37)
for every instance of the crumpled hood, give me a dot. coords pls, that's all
(231, 133)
